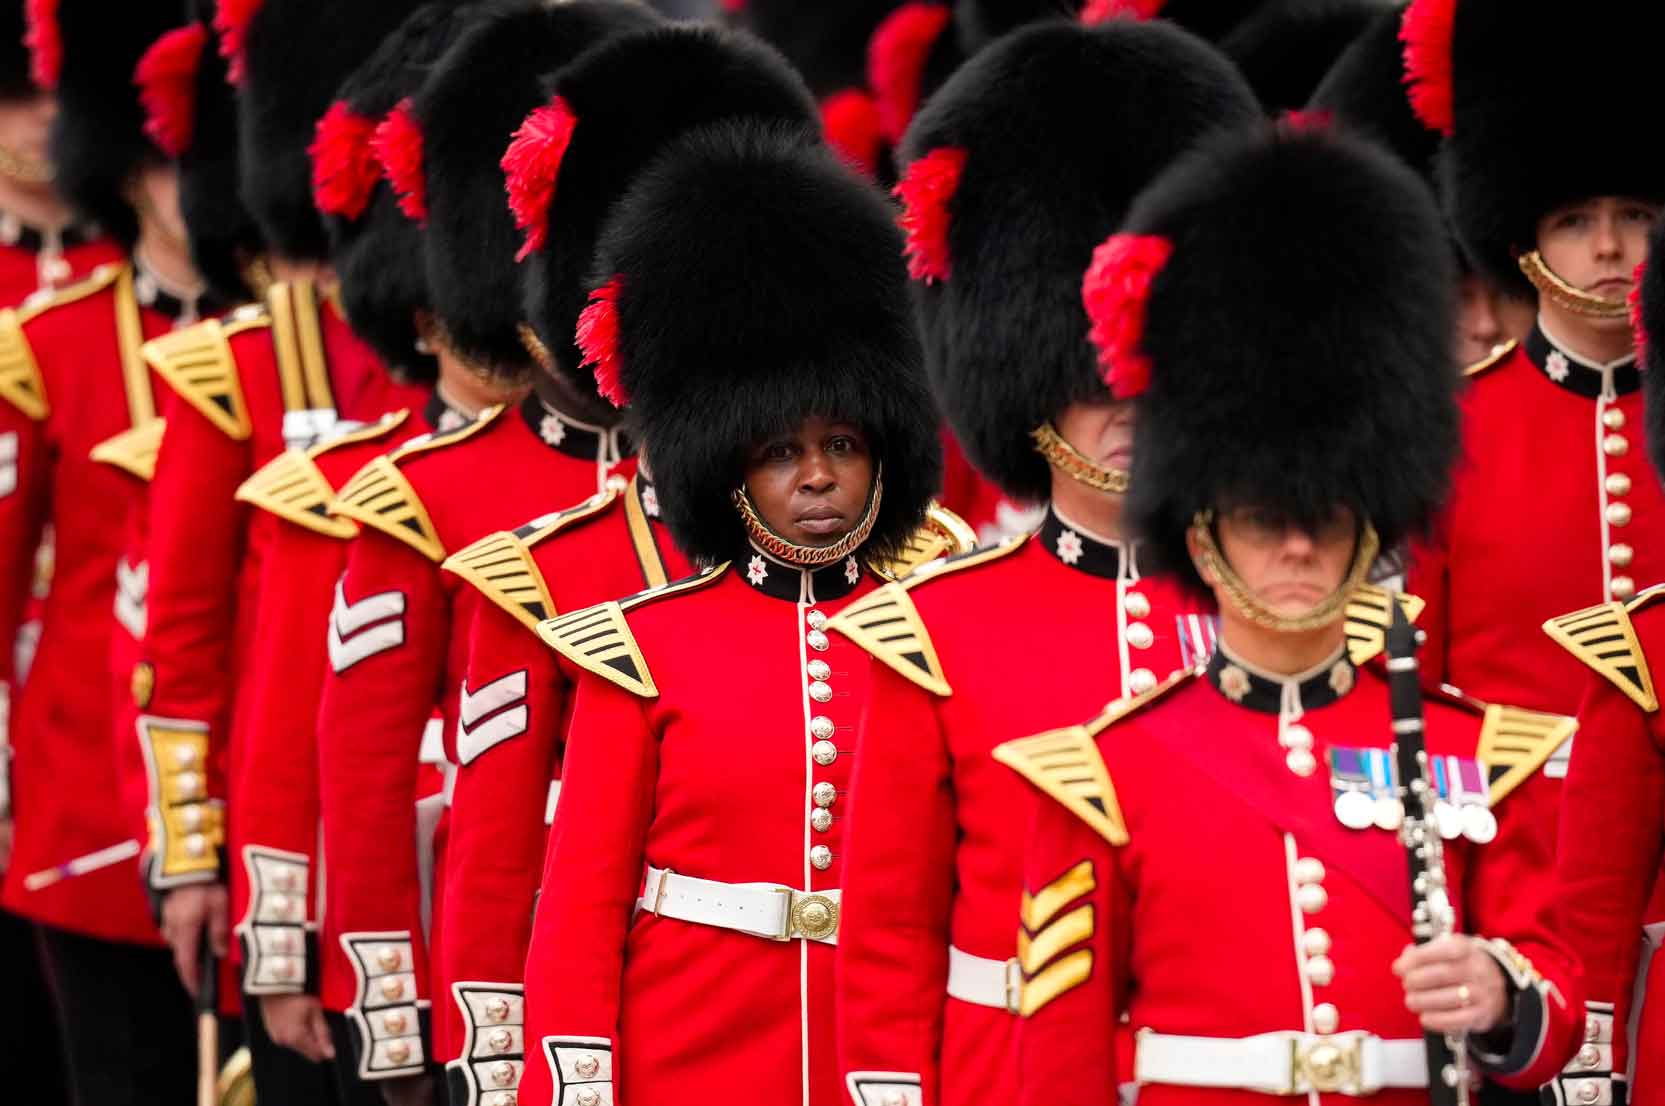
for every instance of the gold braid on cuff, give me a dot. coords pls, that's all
(1328, 610)
(809, 556)
(1576, 300)
(1075, 464)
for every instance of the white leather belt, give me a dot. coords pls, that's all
(761, 909)
(985, 982)
(1282, 1063)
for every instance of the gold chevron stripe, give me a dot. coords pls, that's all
(1042, 906)
(1034, 952)
(1059, 978)
(1603, 638)
(598, 639)
(1066, 765)
(1515, 742)
(291, 487)
(21, 382)
(887, 626)
(134, 450)
(199, 366)
(1368, 617)
(380, 497)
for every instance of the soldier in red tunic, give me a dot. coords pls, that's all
(1192, 874)
(1012, 181)
(1612, 836)
(793, 442)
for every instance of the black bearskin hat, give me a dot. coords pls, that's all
(15, 82)
(290, 57)
(98, 137)
(1364, 91)
(1650, 344)
(377, 251)
(616, 108)
(1022, 164)
(1508, 81)
(1324, 373)
(802, 310)
(465, 120)
(1286, 47)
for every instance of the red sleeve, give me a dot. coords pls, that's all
(275, 833)
(388, 630)
(1074, 995)
(25, 498)
(893, 948)
(196, 545)
(508, 738)
(1427, 576)
(575, 966)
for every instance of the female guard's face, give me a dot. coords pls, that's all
(810, 485)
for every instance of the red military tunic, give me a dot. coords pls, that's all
(1209, 889)
(1612, 847)
(713, 716)
(276, 833)
(923, 992)
(398, 646)
(78, 394)
(516, 701)
(32, 258)
(263, 378)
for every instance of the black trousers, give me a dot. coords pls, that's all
(127, 1025)
(32, 1055)
(283, 1077)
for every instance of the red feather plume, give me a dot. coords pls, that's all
(1427, 31)
(896, 56)
(1102, 11)
(46, 45)
(231, 23)
(598, 341)
(1307, 121)
(397, 144)
(926, 189)
(1638, 325)
(531, 165)
(167, 80)
(1115, 293)
(850, 120)
(344, 170)
(734, 7)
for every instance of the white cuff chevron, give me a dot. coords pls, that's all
(373, 625)
(8, 463)
(491, 715)
(132, 594)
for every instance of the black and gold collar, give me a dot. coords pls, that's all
(1576, 374)
(1258, 690)
(150, 293)
(796, 584)
(572, 436)
(20, 235)
(1086, 552)
(443, 416)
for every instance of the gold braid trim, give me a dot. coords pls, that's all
(810, 556)
(1249, 605)
(1576, 300)
(1075, 464)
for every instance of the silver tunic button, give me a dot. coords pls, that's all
(1326, 1018)
(825, 794)
(819, 691)
(1316, 942)
(398, 1052)
(1136, 605)
(188, 785)
(1321, 971)
(388, 958)
(191, 817)
(1140, 680)
(503, 1073)
(1309, 869)
(587, 1096)
(497, 1008)
(824, 752)
(1589, 1091)
(819, 670)
(1295, 736)
(893, 1098)
(1623, 587)
(1618, 514)
(1301, 762)
(587, 1066)
(394, 1023)
(1618, 483)
(1140, 636)
(501, 1040)
(1613, 418)
(821, 727)
(1589, 1057)
(820, 857)
(196, 846)
(1615, 445)
(820, 819)
(816, 620)
(1620, 554)
(817, 641)
(184, 756)
(1311, 898)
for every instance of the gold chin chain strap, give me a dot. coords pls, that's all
(1328, 610)
(809, 556)
(1576, 300)
(1075, 464)
(25, 170)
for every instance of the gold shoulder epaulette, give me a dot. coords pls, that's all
(1492, 359)
(1603, 638)
(379, 496)
(1067, 765)
(199, 366)
(353, 435)
(134, 450)
(1515, 742)
(1368, 617)
(500, 565)
(936, 570)
(21, 382)
(439, 439)
(291, 487)
(598, 639)
(887, 626)
(47, 298)
(943, 534)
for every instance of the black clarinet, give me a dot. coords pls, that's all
(1432, 914)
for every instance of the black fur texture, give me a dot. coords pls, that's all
(1286, 47)
(222, 233)
(98, 139)
(633, 96)
(1528, 136)
(467, 121)
(762, 283)
(1212, 19)
(378, 256)
(826, 42)
(1062, 126)
(297, 53)
(1652, 338)
(15, 82)
(1365, 91)
(1299, 337)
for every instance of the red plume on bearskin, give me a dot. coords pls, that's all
(1115, 292)
(926, 189)
(1100, 11)
(167, 80)
(598, 341)
(896, 61)
(397, 144)
(1307, 119)
(46, 46)
(231, 22)
(733, 7)
(850, 120)
(531, 165)
(344, 169)
(1427, 32)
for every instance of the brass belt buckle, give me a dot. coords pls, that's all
(812, 917)
(659, 894)
(1328, 1065)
